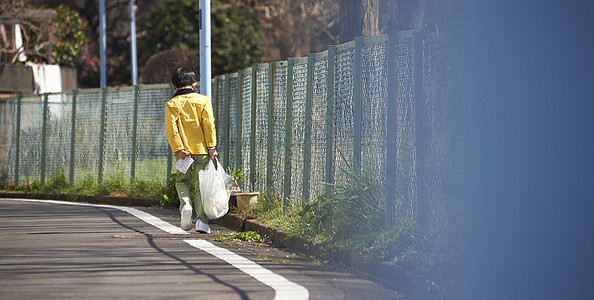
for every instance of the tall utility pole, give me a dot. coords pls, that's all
(204, 28)
(133, 42)
(102, 41)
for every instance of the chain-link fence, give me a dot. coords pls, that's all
(379, 104)
(86, 133)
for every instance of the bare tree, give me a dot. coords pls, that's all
(371, 17)
(34, 26)
(116, 13)
(296, 28)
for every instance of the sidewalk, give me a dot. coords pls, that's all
(384, 273)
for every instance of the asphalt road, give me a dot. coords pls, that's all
(55, 250)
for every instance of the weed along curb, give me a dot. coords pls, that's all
(386, 273)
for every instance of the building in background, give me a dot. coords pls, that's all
(20, 48)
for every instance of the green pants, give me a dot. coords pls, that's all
(182, 185)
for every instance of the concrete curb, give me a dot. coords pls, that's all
(122, 201)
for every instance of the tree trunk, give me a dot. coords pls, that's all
(371, 15)
(350, 20)
(358, 18)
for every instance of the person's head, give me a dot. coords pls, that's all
(183, 76)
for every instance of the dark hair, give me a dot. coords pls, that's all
(183, 76)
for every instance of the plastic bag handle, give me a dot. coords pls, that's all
(215, 163)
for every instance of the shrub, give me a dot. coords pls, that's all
(33, 187)
(88, 186)
(57, 183)
(355, 206)
(148, 189)
(114, 185)
(271, 210)
(352, 217)
(169, 195)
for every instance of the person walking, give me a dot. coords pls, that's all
(190, 131)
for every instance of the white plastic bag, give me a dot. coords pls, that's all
(215, 190)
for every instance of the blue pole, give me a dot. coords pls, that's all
(205, 71)
(133, 43)
(102, 41)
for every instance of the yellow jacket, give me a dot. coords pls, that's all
(194, 129)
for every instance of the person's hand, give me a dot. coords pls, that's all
(182, 154)
(213, 153)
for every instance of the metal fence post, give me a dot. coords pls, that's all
(226, 125)
(239, 119)
(270, 147)
(43, 138)
(72, 138)
(329, 178)
(419, 130)
(101, 135)
(170, 154)
(134, 132)
(253, 131)
(307, 125)
(215, 102)
(288, 125)
(18, 140)
(392, 105)
(220, 120)
(357, 107)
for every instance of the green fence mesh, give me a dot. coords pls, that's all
(117, 132)
(246, 127)
(279, 118)
(30, 138)
(405, 183)
(222, 119)
(87, 134)
(310, 100)
(297, 142)
(374, 106)
(261, 128)
(234, 121)
(8, 135)
(58, 137)
(437, 131)
(152, 149)
(318, 124)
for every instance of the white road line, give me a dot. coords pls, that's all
(148, 218)
(283, 288)
(153, 220)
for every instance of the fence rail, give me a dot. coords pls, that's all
(380, 104)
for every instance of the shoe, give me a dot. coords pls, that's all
(201, 227)
(186, 217)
